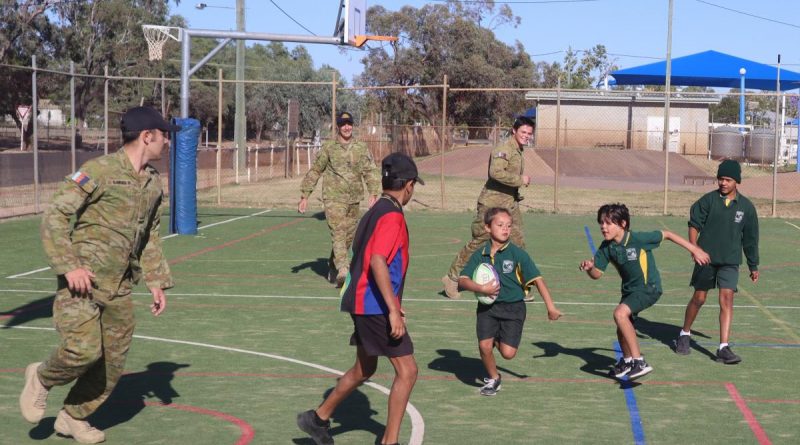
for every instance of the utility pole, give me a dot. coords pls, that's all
(240, 120)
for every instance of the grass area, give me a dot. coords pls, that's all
(252, 330)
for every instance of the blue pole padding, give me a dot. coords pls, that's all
(183, 177)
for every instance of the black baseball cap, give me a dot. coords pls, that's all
(145, 118)
(400, 166)
(344, 118)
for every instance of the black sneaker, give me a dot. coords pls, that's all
(307, 422)
(725, 355)
(332, 275)
(491, 386)
(682, 344)
(640, 368)
(621, 369)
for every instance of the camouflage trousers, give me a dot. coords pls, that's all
(95, 336)
(342, 220)
(480, 236)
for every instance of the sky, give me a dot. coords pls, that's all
(634, 32)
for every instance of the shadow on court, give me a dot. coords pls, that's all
(470, 371)
(354, 413)
(667, 333)
(127, 400)
(594, 363)
(41, 308)
(318, 266)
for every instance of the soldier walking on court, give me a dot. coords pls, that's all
(724, 223)
(346, 164)
(113, 242)
(506, 164)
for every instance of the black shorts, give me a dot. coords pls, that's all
(371, 332)
(708, 277)
(501, 321)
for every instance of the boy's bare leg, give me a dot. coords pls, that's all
(622, 316)
(405, 369)
(486, 348)
(693, 308)
(725, 314)
(626, 350)
(362, 370)
(506, 351)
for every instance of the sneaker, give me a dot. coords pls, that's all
(331, 275)
(725, 355)
(307, 422)
(33, 400)
(450, 288)
(529, 297)
(621, 369)
(341, 276)
(640, 368)
(490, 386)
(80, 430)
(682, 344)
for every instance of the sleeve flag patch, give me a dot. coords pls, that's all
(80, 178)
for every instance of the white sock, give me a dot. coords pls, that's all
(639, 358)
(685, 332)
(722, 345)
(627, 359)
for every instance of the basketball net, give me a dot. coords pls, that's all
(156, 37)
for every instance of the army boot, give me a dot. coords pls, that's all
(33, 400)
(80, 430)
(450, 288)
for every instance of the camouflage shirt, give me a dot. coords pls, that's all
(506, 165)
(116, 228)
(345, 169)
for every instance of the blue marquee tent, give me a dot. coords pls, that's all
(709, 69)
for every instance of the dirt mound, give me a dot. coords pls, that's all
(473, 162)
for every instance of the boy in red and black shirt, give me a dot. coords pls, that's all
(372, 294)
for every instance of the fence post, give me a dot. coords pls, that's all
(558, 144)
(444, 136)
(72, 113)
(256, 162)
(105, 108)
(333, 101)
(34, 115)
(271, 157)
(219, 138)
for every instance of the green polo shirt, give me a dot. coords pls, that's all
(514, 266)
(726, 228)
(634, 260)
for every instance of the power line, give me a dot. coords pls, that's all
(520, 2)
(291, 18)
(748, 14)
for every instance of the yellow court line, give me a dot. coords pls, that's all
(782, 324)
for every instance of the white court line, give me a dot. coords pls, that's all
(405, 299)
(163, 238)
(417, 423)
(793, 225)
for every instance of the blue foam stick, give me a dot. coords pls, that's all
(589, 239)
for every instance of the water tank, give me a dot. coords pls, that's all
(760, 145)
(726, 143)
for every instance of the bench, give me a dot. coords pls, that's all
(610, 144)
(702, 179)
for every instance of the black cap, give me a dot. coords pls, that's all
(145, 118)
(400, 166)
(344, 118)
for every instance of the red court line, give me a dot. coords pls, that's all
(759, 432)
(245, 437)
(188, 256)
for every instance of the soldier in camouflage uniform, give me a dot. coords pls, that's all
(346, 164)
(114, 241)
(506, 164)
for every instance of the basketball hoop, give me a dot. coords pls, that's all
(157, 36)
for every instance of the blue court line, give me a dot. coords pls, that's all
(630, 400)
(589, 239)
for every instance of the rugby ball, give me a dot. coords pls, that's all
(483, 274)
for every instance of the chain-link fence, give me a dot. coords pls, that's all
(589, 147)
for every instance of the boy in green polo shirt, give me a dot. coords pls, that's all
(632, 254)
(724, 223)
(500, 324)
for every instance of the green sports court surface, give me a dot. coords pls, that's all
(252, 335)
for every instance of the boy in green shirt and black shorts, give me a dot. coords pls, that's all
(632, 254)
(724, 223)
(500, 323)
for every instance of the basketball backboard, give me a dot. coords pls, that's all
(355, 21)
